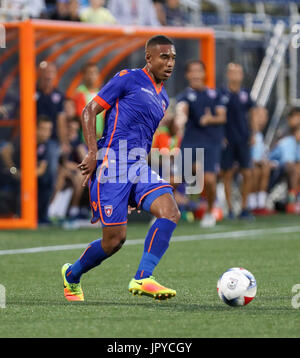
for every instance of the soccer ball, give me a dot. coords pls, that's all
(236, 287)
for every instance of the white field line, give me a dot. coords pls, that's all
(241, 234)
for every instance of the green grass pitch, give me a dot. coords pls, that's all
(35, 305)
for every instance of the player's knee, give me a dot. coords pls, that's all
(113, 242)
(117, 244)
(177, 215)
(171, 213)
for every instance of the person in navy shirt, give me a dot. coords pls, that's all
(49, 102)
(199, 109)
(240, 109)
(135, 101)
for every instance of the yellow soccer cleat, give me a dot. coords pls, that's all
(149, 287)
(72, 291)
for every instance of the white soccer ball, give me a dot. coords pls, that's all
(237, 287)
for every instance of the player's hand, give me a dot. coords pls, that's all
(88, 166)
(206, 118)
(132, 208)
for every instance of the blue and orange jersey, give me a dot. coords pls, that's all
(135, 105)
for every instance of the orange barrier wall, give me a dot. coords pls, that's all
(65, 35)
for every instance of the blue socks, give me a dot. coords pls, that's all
(92, 257)
(156, 244)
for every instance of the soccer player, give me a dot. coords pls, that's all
(135, 101)
(199, 108)
(240, 111)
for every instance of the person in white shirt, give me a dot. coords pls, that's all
(134, 12)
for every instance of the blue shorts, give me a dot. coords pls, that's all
(109, 200)
(212, 158)
(212, 155)
(236, 153)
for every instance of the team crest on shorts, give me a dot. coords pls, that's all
(108, 209)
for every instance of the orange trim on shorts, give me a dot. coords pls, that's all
(91, 205)
(102, 165)
(150, 191)
(152, 239)
(102, 102)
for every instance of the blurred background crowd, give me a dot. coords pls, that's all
(244, 175)
(222, 13)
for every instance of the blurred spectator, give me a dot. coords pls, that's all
(240, 113)
(44, 130)
(66, 10)
(69, 176)
(73, 120)
(73, 10)
(10, 107)
(261, 165)
(160, 11)
(96, 13)
(79, 149)
(70, 110)
(175, 14)
(11, 159)
(9, 111)
(33, 8)
(36, 8)
(286, 157)
(10, 178)
(50, 103)
(293, 118)
(134, 12)
(84, 3)
(9, 130)
(3, 112)
(199, 109)
(87, 91)
(61, 10)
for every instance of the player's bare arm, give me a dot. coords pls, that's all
(88, 121)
